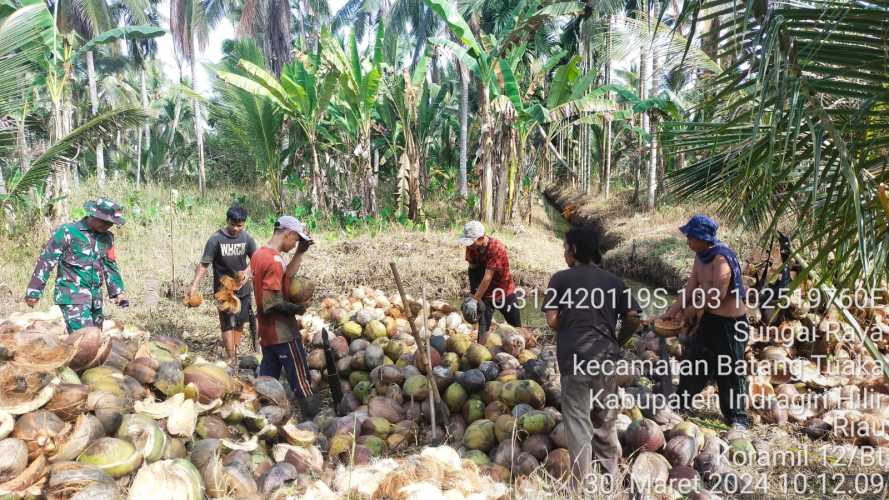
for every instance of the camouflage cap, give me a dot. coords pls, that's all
(105, 209)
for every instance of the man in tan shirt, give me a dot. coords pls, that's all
(714, 297)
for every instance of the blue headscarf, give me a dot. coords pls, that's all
(704, 228)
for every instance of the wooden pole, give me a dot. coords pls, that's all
(421, 346)
(428, 360)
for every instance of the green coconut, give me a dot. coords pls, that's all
(300, 289)
(375, 329)
(358, 376)
(451, 361)
(351, 330)
(523, 391)
(416, 387)
(741, 451)
(537, 422)
(362, 390)
(169, 379)
(491, 392)
(378, 426)
(504, 426)
(480, 435)
(341, 445)
(375, 444)
(145, 434)
(115, 456)
(477, 457)
(455, 397)
(477, 354)
(394, 349)
(104, 379)
(473, 409)
(458, 344)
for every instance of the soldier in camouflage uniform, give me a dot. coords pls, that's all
(84, 253)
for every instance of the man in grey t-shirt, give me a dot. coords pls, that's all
(229, 250)
(583, 304)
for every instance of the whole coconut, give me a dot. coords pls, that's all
(644, 435)
(538, 445)
(480, 435)
(558, 463)
(681, 450)
(472, 380)
(684, 479)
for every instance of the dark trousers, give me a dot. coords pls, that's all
(291, 357)
(590, 426)
(486, 307)
(717, 339)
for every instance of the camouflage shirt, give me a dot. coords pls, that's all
(85, 259)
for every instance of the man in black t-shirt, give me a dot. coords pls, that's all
(584, 305)
(229, 250)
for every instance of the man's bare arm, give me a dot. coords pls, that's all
(552, 319)
(199, 271)
(483, 286)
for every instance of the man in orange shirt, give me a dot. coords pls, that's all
(279, 337)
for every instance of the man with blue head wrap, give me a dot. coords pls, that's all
(714, 297)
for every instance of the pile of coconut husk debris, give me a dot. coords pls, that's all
(116, 412)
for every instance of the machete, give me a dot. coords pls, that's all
(333, 376)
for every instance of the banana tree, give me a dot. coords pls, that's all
(493, 62)
(416, 105)
(302, 93)
(357, 92)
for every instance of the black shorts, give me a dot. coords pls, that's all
(235, 321)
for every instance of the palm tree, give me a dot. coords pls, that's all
(190, 24)
(303, 99)
(795, 127)
(88, 18)
(22, 35)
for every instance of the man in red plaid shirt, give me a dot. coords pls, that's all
(490, 282)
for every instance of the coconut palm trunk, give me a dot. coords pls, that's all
(146, 131)
(94, 107)
(198, 130)
(606, 142)
(652, 130)
(464, 126)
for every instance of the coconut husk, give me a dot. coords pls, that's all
(43, 351)
(6, 424)
(69, 401)
(31, 476)
(42, 431)
(70, 479)
(87, 429)
(91, 348)
(24, 390)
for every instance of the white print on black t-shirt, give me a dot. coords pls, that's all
(232, 249)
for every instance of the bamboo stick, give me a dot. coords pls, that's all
(421, 346)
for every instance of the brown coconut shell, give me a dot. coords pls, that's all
(211, 381)
(92, 348)
(42, 431)
(69, 401)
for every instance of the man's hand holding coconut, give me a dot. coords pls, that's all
(280, 297)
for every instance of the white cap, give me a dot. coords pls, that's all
(293, 224)
(472, 231)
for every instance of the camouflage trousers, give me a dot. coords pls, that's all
(79, 316)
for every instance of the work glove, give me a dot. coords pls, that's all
(470, 310)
